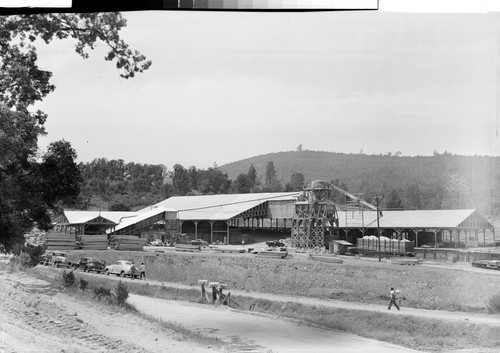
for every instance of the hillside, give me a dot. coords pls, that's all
(428, 182)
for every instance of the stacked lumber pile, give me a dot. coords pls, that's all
(274, 254)
(94, 242)
(128, 242)
(187, 247)
(58, 241)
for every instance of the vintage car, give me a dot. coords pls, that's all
(55, 258)
(199, 242)
(90, 264)
(155, 242)
(120, 268)
(275, 243)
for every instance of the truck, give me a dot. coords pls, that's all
(56, 259)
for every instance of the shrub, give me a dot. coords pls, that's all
(68, 279)
(23, 259)
(494, 303)
(34, 252)
(83, 284)
(121, 293)
(102, 293)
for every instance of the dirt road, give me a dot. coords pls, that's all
(331, 303)
(258, 333)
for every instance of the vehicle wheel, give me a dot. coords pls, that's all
(107, 272)
(122, 274)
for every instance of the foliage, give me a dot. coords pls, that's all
(102, 293)
(296, 182)
(68, 279)
(271, 182)
(121, 293)
(23, 260)
(22, 83)
(394, 201)
(252, 177)
(441, 181)
(241, 185)
(83, 284)
(34, 253)
(493, 304)
(199, 181)
(32, 188)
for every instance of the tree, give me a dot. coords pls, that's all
(242, 184)
(31, 189)
(22, 83)
(296, 182)
(252, 176)
(271, 183)
(394, 201)
(180, 179)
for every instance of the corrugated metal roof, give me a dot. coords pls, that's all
(412, 219)
(218, 207)
(139, 217)
(80, 217)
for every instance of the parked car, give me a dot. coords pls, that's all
(55, 258)
(275, 243)
(156, 242)
(90, 264)
(120, 268)
(199, 242)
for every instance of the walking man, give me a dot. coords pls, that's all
(142, 269)
(393, 300)
(132, 271)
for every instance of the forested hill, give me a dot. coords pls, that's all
(441, 181)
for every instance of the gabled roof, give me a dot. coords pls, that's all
(81, 217)
(127, 222)
(219, 207)
(415, 219)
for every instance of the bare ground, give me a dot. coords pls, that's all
(36, 317)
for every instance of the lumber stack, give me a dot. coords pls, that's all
(128, 242)
(94, 242)
(187, 247)
(273, 254)
(57, 241)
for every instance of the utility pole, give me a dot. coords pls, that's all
(378, 199)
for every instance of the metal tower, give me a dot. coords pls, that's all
(314, 214)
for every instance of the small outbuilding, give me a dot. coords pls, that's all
(338, 247)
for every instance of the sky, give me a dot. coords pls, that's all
(225, 86)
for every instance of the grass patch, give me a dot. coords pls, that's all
(100, 290)
(411, 332)
(416, 333)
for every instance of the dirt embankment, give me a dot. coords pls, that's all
(36, 317)
(354, 280)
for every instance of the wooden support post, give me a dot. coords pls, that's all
(220, 287)
(202, 283)
(211, 231)
(195, 229)
(213, 285)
